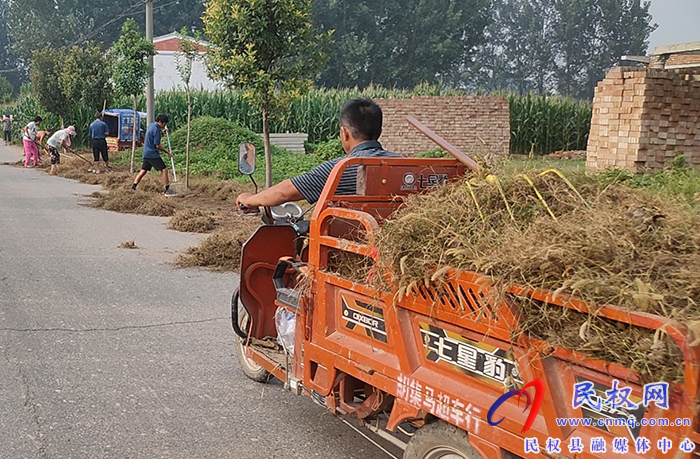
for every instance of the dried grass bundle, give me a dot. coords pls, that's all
(604, 244)
(191, 220)
(220, 251)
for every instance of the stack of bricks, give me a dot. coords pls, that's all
(682, 59)
(475, 125)
(643, 118)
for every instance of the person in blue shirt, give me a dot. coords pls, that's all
(360, 127)
(151, 153)
(99, 132)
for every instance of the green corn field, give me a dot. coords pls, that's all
(542, 125)
(539, 124)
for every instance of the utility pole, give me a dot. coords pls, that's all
(150, 99)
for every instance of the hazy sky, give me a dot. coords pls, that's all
(678, 20)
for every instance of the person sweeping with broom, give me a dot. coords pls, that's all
(99, 132)
(59, 139)
(151, 154)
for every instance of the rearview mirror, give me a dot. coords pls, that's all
(246, 158)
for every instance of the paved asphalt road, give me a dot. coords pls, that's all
(108, 352)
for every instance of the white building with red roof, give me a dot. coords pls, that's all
(165, 74)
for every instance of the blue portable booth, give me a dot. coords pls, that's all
(120, 124)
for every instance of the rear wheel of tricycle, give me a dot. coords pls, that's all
(440, 440)
(248, 365)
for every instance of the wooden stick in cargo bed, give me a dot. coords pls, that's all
(451, 149)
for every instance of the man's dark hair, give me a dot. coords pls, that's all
(37, 119)
(363, 117)
(98, 115)
(162, 118)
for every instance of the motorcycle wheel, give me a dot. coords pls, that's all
(249, 367)
(440, 440)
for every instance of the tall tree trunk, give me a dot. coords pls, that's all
(187, 145)
(133, 138)
(268, 155)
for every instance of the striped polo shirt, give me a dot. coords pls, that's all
(311, 184)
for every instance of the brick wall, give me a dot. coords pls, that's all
(644, 118)
(683, 59)
(471, 123)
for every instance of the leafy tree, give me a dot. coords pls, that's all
(574, 34)
(45, 75)
(6, 90)
(63, 79)
(86, 76)
(27, 25)
(130, 68)
(562, 46)
(183, 14)
(591, 36)
(267, 48)
(9, 66)
(518, 54)
(36, 24)
(184, 59)
(399, 43)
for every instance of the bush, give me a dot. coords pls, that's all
(214, 151)
(27, 107)
(434, 153)
(6, 90)
(677, 182)
(329, 149)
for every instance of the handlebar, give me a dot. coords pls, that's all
(247, 210)
(287, 213)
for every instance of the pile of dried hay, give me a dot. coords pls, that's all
(220, 251)
(622, 246)
(192, 221)
(136, 202)
(226, 190)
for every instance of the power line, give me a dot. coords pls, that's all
(127, 12)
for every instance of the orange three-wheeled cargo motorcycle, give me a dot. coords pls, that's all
(445, 369)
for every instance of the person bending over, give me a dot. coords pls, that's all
(59, 139)
(28, 136)
(360, 128)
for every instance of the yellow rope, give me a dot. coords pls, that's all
(554, 171)
(493, 179)
(476, 203)
(544, 203)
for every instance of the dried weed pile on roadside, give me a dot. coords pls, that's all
(220, 251)
(191, 221)
(611, 244)
(134, 202)
(225, 190)
(128, 245)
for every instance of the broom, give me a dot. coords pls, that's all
(178, 187)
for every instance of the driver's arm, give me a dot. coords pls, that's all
(278, 194)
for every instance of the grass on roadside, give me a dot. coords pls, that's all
(515, 164)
